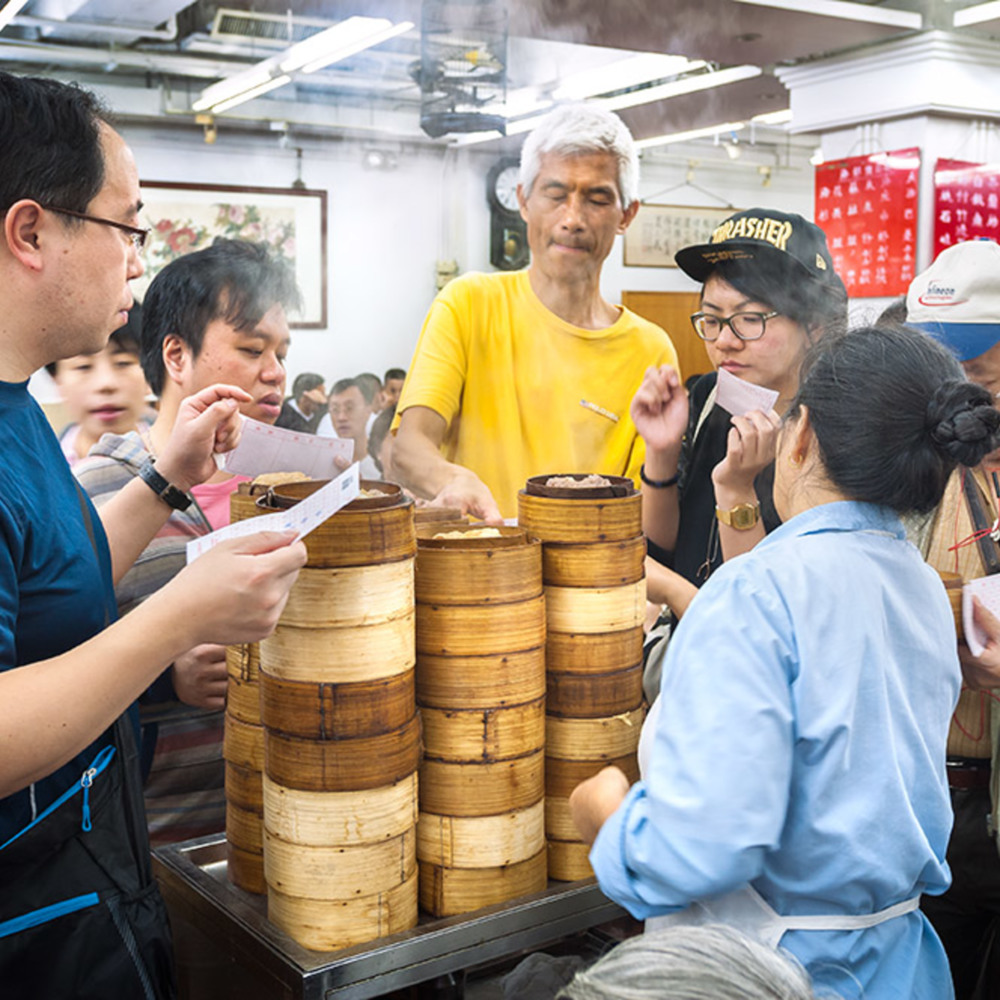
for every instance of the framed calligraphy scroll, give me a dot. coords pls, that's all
(659, 231)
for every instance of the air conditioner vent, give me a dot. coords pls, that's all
(267, 29)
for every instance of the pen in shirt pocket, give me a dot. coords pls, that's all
(599, 409)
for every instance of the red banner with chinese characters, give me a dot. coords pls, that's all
(966, 202)
(867, 206)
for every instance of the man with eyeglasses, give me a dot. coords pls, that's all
(768, 290)
(80, 915)
(530, 372)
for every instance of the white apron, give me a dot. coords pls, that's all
(745, 909)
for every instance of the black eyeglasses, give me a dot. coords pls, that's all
(137, 236)
(745, 325)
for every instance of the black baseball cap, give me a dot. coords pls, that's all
(783, 237)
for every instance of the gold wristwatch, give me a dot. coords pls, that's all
(741, 517)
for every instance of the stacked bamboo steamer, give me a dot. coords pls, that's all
(243, 746)
(341, 732)
(480, 634)
(593, 555)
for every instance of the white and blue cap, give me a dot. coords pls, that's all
(957, 299)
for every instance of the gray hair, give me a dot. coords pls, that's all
(710, 962)
(576, 130)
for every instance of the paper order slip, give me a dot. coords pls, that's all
(263, 448)
(303, 517)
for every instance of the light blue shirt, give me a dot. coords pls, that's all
(806, 697)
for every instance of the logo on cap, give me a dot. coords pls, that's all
(750, 228)
(939, 295)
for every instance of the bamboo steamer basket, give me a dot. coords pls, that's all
(580, 516)
(338, 872)
(499, 679)
(585, 610)
(365, 531)
(243, 661)
(343, 765)
(481, 841)
(336, 711)
(245, 869)
(599, 653)
(562, 776)
(446, 891)
(325, 925)
(362, 653)
(464, 630)
(592, 696)
(559, 823)
(593, 739)
(243, 503)
(484, 734)
(460, 789)
(243, 744)
(568, 860)
(244, 829)
(350, 596)
(243, 700)
(340, 818)
(244, 788)
(598, 564)
(472, 570)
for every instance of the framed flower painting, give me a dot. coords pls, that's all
(291, 221)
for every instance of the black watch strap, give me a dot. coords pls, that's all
(170, 495)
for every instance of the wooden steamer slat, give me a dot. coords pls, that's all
(461, 789)
(573, 653)
(445, 892)
(243, 700)
(481, 841)
(594, 695)
(585, 610)
(336, 711)
(496, 679)
(562, 776)
(487, 734)
(597, 564)
(593, 739)
(348, 596)
(462, 630)
(575, 521)
(243, 744)
(568, 860)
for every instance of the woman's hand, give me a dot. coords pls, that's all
(595, 799)
(750, 448)
(983, 671)
(660, 409)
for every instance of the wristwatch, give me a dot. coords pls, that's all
(741, 517)
(171, 495)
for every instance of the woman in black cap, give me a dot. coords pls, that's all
(768, 291)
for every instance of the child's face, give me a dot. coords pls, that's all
(105, 392)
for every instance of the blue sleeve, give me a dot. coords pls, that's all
(715, 797)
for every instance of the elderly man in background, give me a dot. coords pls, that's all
(956, 301)
(519, 374)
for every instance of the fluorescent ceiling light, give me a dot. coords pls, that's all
(622, 73)
(694, 133)
(337, 42)
(9, 11)
(773, 117)
(688, 85)
(845, 11)
(963, 18)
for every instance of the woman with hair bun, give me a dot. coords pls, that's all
(794, 782)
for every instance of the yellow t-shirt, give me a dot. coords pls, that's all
(525, 393)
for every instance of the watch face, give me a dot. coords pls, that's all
(505, 188)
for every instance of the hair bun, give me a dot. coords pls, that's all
(963, 422)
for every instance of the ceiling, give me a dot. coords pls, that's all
(154, 57)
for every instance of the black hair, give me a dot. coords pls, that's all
(894, 314)
(379, 432)
(232, 280)
(893, 413)
(788, 289)
(50, 147)
(369, 384)
(391, 373)
(343, 384)
(124, 340)
(305, 382)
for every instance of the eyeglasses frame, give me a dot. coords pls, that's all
(725, 321)
(136, 235)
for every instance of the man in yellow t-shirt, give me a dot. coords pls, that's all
(532, 372)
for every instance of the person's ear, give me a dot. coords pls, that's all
(803, 441)
(23, 226)
(177, 358)
(628, 215)
(522, 202)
